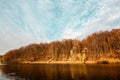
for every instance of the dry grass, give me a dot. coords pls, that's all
(108, 60)
(100, 61)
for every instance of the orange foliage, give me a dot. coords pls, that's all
(100, 44)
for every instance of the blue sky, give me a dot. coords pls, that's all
(23, 22)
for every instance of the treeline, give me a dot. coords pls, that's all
(57, 50)
(100, 44)
(103, 44)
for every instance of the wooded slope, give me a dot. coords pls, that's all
(104, 44)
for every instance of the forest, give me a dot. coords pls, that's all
(103, 44)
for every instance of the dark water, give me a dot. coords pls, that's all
(60, 72)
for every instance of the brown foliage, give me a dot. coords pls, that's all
(103, 44)
(100, 44)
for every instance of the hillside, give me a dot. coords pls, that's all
(105, 44)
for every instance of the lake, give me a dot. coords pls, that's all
(60, 72)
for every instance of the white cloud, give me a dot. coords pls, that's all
(19, 27)
(106, 18)
(23, 22)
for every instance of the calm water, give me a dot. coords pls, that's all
(60, 72)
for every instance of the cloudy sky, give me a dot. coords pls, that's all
(33, 21)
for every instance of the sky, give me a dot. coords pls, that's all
(24, 22)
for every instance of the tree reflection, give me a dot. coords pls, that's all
(60, 72)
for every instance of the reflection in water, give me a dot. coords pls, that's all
(78, 72)
(60, 72)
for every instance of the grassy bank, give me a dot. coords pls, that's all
(100, 61)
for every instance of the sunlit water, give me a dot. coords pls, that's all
(60, 72)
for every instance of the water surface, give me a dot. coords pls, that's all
(60, 72)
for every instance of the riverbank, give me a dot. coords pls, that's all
(100, 61)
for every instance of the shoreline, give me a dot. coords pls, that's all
(58, 62)
(100, 61)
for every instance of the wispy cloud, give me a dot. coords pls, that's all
(106, 16)
(32, 21)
